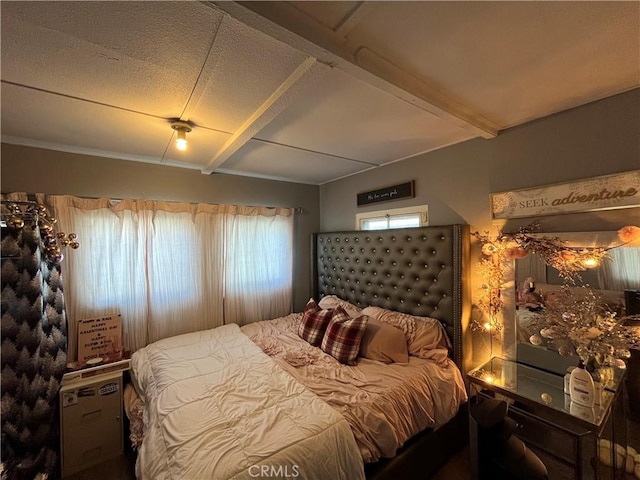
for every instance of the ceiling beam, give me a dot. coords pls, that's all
(352, 19)
(292, 26)
(300, 80)
(423, 94)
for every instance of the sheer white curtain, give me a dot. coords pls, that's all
(531, 266)
(622, 270)
(166, 267)
(259, 265)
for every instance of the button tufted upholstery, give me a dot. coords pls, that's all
(418, 271)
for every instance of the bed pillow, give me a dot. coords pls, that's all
(384, 342)
(331, 301)
(343, 336)
(423, 334)
(314, 323)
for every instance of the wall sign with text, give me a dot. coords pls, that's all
(620, 190)
(394, 192)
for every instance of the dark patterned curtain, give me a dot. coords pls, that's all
(34, 346)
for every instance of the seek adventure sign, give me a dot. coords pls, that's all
(620, 190)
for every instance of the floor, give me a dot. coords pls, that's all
(120, 468)
(123, 468)
(457, 468)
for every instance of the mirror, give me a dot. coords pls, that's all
(538, 286)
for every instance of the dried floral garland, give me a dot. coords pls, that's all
(498, 253)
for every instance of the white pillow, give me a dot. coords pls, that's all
(331, 301)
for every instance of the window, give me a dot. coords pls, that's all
(170, 268)
(408, 217)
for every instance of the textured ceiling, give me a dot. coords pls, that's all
(301, 91)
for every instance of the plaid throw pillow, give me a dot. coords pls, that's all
(343, 336)
(314, 323)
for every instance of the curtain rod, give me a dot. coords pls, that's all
(32, 197)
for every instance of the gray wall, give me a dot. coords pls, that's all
(456, 182)
(597, 139)
(28, 169)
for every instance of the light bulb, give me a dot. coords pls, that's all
(181, 128)
(590, 262)
(487, 326)
(181, 140)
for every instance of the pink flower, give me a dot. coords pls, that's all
(629, 233)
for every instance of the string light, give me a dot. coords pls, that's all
(591, 262)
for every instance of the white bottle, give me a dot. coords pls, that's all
(581, 387)
(567, 378)
(585, 413)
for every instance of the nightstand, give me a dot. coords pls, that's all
(91, 424)
(563, 435)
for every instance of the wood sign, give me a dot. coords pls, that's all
(620, 190)
(100, 338)
(394, 192)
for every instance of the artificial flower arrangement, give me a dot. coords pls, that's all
(575, 324)
(583, 325)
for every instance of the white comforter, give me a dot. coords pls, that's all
(217, 407)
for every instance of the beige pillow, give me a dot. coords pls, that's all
(384, 343)
(423, 334)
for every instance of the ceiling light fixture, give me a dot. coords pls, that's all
(182, 128)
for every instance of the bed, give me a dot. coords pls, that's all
(300, 412)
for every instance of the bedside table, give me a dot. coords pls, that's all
(91, 424)
(563, 435)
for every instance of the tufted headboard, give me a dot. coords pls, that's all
(419, 271)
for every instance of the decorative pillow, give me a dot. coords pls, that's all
(422, 333)
(314, 323)
(331, 301)
(343, 336)
(384, 342)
